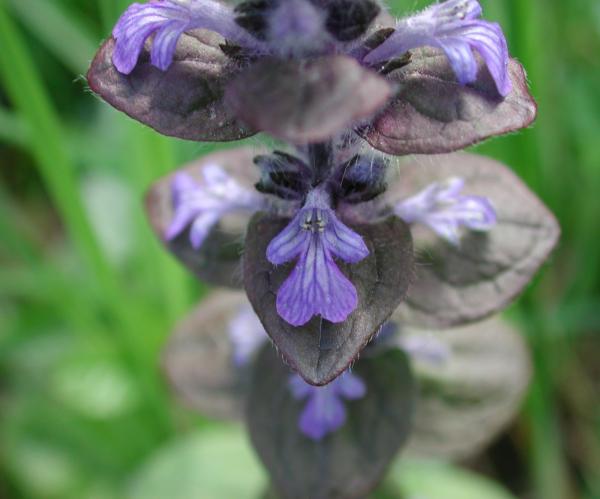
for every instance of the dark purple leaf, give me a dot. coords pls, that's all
(458, 285)
(346, 464)
(306, 100)
(432, 113)
(468, 399)
(186, 101)
(198, 358)
(218, 259)
(321, 350)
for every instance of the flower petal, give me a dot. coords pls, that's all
(289, 243)
(452, 26)
(442, 208)
(297, 28)
(300, 389)
(201, 227)
(246, 334)
(181, 219)
(165, 43)
(168, 19)
(343, 242)
(316, 286)
(324, 413)
(350, 386)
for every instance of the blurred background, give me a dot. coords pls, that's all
(88, 296)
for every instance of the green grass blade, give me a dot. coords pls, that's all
(13, 129)
(25, 89)
(62, 34)
(152, 156)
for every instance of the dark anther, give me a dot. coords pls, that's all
(319, 160)
(283, 175)
(349, 19)
(235, 52)
(378, 38)
(396, 63)
(361, 179)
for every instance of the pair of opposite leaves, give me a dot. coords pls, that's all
(448, 285)
(418, 108)
(464, 399)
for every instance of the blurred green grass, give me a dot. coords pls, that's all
(87, 295)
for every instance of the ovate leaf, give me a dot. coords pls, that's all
(432, 113)
(345, 464)
(457, 285)
(321, 350)
(186, 101)
(306, 100)
(218, 259)
(198, 358)
(468, 398)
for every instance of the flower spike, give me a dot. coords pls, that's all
(453, 26)
(444, 210)
(168, 20)
(316, 286)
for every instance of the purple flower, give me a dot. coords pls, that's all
(453, 26)
(444, 210)
(424, 347)
(247, 334)
(168, 20)
(421, 346)
(324, 411)
(202, 205)
(316, 286)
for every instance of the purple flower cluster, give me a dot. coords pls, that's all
(301, 27)
(368, 208)
(200, 206)
(442, 208)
